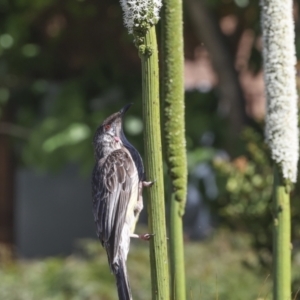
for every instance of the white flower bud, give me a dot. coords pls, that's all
(138, 11)
(280, 80)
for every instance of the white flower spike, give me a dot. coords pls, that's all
(280, 80)
(137, 12)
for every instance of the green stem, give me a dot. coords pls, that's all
(174, 133)
(282, 239)
(154, 168)
(176, 252)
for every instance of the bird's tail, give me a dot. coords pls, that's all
(124, 291)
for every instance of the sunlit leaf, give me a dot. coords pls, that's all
(72, 135)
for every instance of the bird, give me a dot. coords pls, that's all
(117, 182)
(133, 151)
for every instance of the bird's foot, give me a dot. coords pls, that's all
(144, 237)
(148, 183)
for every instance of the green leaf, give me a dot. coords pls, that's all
(72, 135)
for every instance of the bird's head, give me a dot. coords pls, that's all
(119, 128)
(109, 133)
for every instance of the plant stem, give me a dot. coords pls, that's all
(174, 136)
(176, 252)
(282, 239)
(281, 129)
(154, 168)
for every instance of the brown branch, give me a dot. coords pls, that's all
(7, 204)
(208, 31)
(7, 128)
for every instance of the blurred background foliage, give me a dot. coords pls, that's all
(85, 274)
(65, 65)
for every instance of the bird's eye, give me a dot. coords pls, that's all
(106, 127)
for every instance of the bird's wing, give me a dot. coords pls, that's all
(112, 182)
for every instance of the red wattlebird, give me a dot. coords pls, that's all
(117, 182)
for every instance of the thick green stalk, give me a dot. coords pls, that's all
(173, 96)
(174, 133)
(281, 239)
(154, 167)
(281, 128)
(176, 252)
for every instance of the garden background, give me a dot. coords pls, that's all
(64, 67)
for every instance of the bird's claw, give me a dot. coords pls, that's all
(146, 236)
(148, 183)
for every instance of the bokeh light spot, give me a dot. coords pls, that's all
(30, 50)
(133, 125)
(4, 95)
(241, 3)
(6, 40)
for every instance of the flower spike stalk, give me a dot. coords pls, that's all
(281, 129)
(174, 137)
(140, 16)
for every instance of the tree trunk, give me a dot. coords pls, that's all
(7, 177)
(231, 95)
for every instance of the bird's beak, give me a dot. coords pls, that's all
(125, 108)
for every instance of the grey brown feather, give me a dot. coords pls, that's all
(116, 196)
